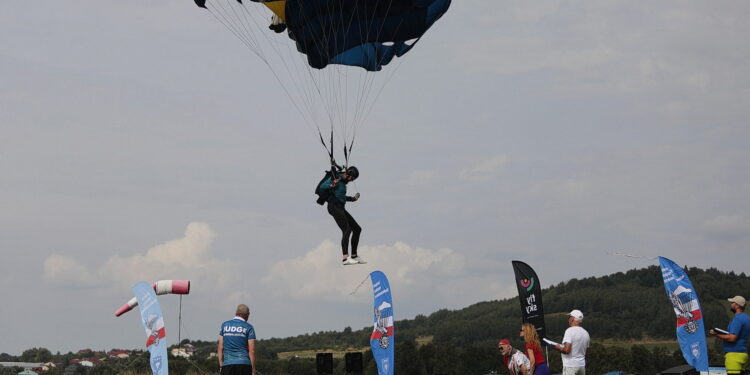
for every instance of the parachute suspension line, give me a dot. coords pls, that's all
(330, 153)
(346, 108)
(245, 26)
(232, 29)
(333, 159)
(360, 121)
(371, 77)
(346, 157)
(360, 285)
(331, 92)
(248, 38)
(365, 99)
(306, 98)
(371, 106)
(306, 90)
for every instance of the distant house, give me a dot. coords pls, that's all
(86, 363)
(186, 351)
(48, 366)
(122, 354)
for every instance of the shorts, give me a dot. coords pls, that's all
(735, 362)
(236, 370)
(541, 369)
(574, 371)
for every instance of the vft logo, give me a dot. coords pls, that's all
(695, 349)
(527, 283)
(156, 363)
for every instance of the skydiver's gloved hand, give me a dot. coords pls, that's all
(334, 182)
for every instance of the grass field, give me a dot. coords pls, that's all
(337, 353)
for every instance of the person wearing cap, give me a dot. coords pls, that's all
(514, 359)
(574, 345)
(735, 341)
(335, 186)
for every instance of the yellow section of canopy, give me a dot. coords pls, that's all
(277, 7)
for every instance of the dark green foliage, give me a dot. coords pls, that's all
(36, 355)
(10, 370)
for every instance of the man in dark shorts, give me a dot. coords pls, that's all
(236, 349)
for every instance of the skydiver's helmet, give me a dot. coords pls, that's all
(353, 172)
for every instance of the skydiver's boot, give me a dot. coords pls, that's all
(349, 261)
(358, 259)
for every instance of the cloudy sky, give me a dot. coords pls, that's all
(139, 140)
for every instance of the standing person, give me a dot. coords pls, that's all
(334, 187)
(735, 342)
(236, 351)
(574, 345)
(537, 363)
(516, 362)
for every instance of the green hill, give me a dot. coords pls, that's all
(628, 316)
(630, 320)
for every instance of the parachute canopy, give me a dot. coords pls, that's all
(332, 62)
(160, 287)
(363, 33)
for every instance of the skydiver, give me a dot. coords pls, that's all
(335, 188)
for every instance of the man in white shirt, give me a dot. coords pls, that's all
(574, 345)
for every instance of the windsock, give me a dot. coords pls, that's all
(160, 287)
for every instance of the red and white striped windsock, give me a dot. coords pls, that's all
(160, 287)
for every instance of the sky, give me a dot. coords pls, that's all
(140, 140)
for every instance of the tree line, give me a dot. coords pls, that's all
(623, 306)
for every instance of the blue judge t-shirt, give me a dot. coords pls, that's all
(236, 333)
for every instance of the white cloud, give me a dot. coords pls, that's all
(66, 271)
(413, 271)
(484, 170)
(187, 257)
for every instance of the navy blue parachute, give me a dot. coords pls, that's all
(364, 33)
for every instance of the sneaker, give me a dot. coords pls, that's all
(350, 261)
(359, 260)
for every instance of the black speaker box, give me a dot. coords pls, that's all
(324, 362)
(353, 363)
